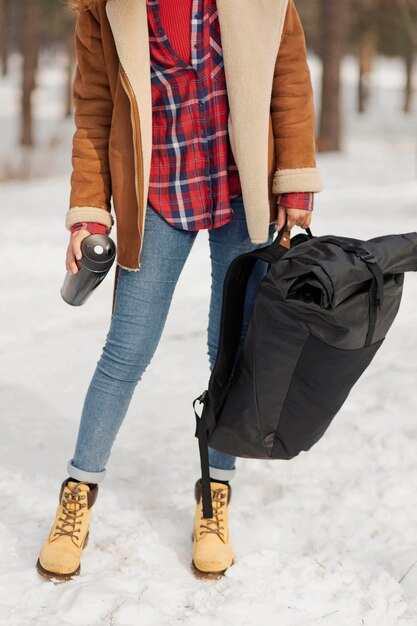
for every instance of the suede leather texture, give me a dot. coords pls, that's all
(271, 121)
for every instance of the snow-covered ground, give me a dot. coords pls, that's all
(328, 538)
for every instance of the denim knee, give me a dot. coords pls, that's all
(121, 364)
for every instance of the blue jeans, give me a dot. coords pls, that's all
(141, 307)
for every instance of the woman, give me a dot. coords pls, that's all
(157, 130)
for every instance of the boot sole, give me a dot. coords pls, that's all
(56, 576)
(199, 573)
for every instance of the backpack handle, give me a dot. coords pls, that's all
(279, 246)
(283, 238)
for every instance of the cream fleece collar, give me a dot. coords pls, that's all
(251, 32)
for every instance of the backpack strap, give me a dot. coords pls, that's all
(233, 301)
(376, 292)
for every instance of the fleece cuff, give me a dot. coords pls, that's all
(88, 214)
(299, 179)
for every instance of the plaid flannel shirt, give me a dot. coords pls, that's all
(193, 172)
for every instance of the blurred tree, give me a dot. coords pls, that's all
(334, 22)
(30, 35)
(59, 31)
(397, 35)
(309, 11)
(69, 25)
(69, 40)
(387, 27)
(4, 39)
(3, 45)
(409, 13)
(363, 37)
(43, 24)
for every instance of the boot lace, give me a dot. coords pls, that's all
(214, 524)
(72, 509)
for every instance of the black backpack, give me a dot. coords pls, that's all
(320, 315)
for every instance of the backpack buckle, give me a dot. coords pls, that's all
(368, 257)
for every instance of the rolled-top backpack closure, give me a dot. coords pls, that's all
(320, 315)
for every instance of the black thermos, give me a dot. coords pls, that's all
(98, 253)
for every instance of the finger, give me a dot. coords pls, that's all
(307, 220)
(69, 257)
(281, 217)
(299, 217)
(76, 243)
(71, 264)
(72, 268)
(293, 217)
(296, 217)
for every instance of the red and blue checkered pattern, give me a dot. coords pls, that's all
(297, 200)
(193, 172)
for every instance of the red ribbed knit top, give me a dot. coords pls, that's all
(176, 21)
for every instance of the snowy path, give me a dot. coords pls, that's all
(328, 538)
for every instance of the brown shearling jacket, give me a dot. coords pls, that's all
(271, 121)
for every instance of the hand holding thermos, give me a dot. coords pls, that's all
(89, 259)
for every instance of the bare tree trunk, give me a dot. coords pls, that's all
(4, 39)
(408, 10)
(366, 57)
(70, 70)
(335, 27)
(408, 95)
(30, 50)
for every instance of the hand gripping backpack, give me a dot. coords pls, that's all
(321, 313)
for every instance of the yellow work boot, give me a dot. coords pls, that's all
(61, 553)
(213, 552)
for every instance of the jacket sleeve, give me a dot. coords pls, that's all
(93, 105)
(292, 112)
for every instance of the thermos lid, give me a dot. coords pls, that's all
(98, 252)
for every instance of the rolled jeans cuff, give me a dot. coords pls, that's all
(221, 474)
(88, 477)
